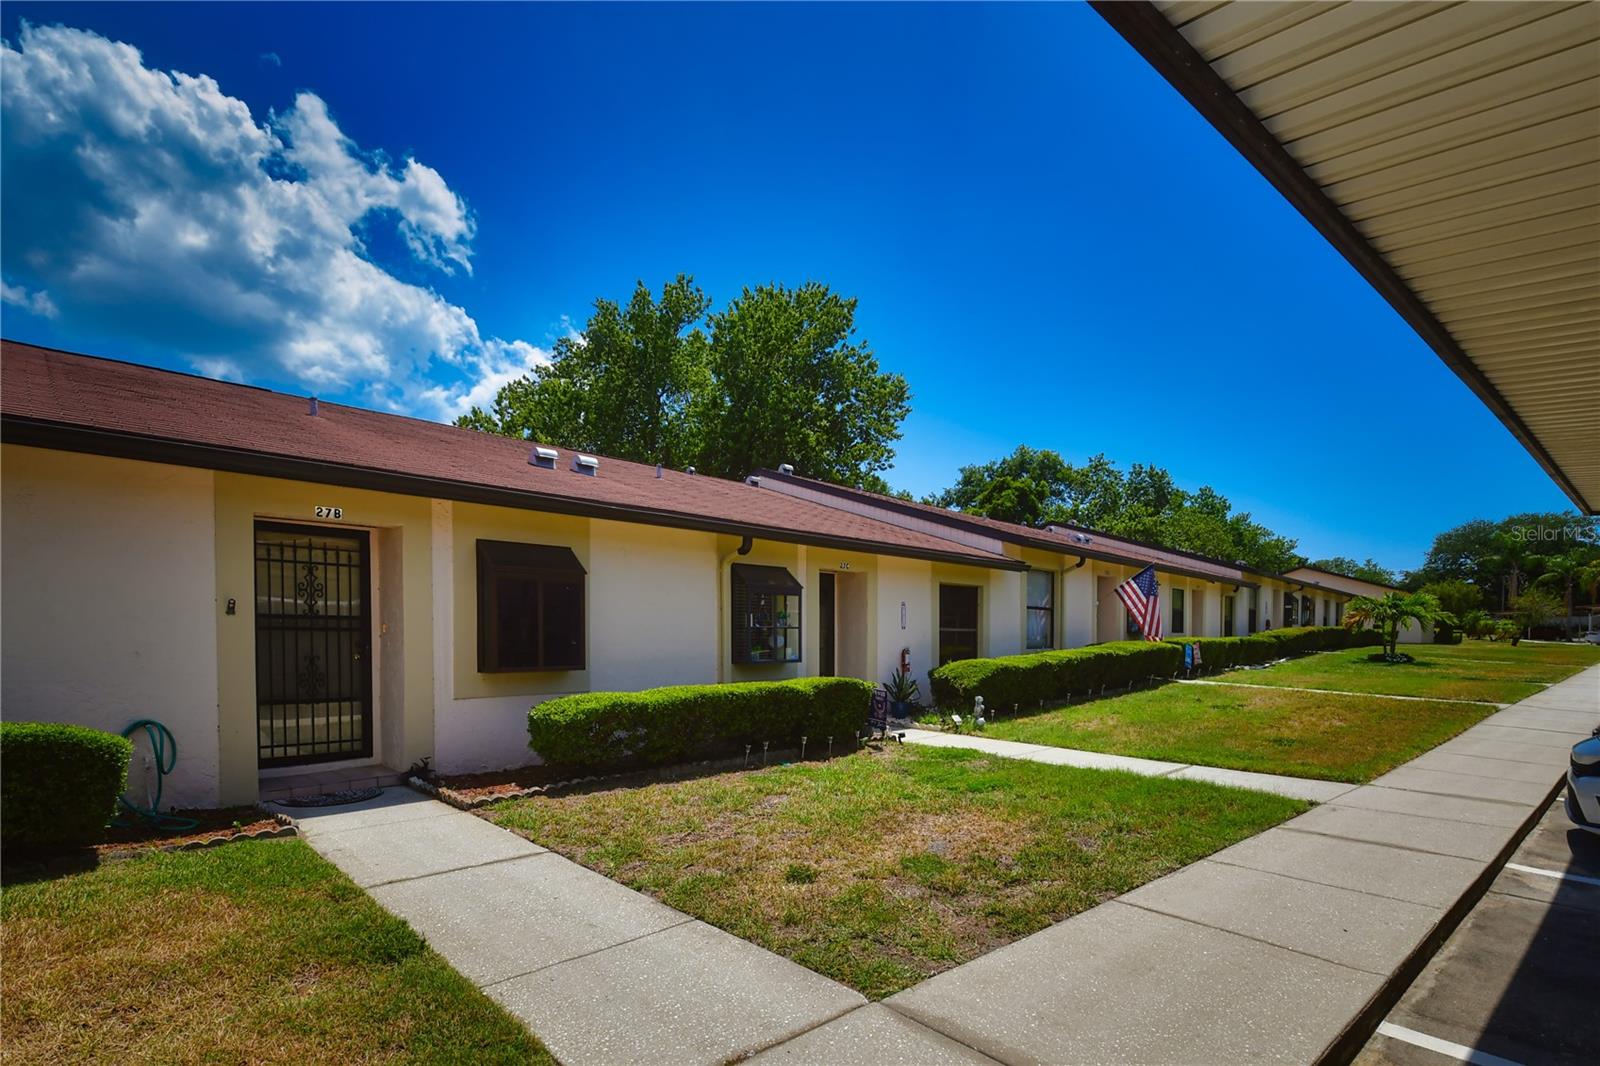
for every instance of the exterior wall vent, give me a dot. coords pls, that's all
(786, 468)
(585, 464)
(544, 458)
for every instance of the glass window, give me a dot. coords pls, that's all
(1288, 609)
(958, 623)
(766, 614)
(1041, 609)
(1177, 610)
(530, 607)
(1255, 600)
(1227, 615)
(1308, 611)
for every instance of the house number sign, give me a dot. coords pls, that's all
(330, 512)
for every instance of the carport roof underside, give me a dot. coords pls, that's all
(1451, 152)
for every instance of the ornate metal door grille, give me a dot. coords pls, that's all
(313, 643)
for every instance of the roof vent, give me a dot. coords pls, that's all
(658, 470)
(313, 408)
(786, 468)
(542, 457)
(753, 480)
(585, 464)
(689, 470)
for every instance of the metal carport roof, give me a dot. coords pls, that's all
(1451, 152)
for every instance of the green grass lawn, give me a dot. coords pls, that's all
(1567, 659)
(881, 868)
(1478, 670)
(256, 951)
(1302, 734)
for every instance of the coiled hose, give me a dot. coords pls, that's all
(165, 749)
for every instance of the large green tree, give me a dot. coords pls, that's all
(625, 386)
(1502, 557)
(792, 383)
(1037, 487)
(778, 376)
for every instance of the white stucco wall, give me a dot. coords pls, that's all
(907, 581)
(1077, 616)
(1003, 605)
(109, 580)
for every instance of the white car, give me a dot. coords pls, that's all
(1583, 784)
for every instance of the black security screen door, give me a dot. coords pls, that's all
(313, 638)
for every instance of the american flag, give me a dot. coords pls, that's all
(1141, 594)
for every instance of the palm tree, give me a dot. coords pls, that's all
(1511, 560)
(1565, 572)
(1392, 613)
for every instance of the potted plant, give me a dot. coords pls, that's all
(904, 693)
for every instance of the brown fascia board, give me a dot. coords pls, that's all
(1144, 27)
(1010, 532)
(70, 438)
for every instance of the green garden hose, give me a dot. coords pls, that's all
(165, 749)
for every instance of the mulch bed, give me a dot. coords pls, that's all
(216, 825)
(494, 784)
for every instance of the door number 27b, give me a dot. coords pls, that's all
(330, 512)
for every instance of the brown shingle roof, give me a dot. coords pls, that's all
(81, 403)
(1056, 538)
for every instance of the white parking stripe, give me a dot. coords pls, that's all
(1443, 1047)
(1557, 874)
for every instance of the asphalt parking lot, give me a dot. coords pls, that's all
(1517, 981)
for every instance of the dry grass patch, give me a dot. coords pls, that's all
(882, 868)
(258, 951)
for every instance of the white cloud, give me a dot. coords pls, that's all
(38, 302)
(154, 205)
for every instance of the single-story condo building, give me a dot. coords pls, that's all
(293, 585)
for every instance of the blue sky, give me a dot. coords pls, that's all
(1043, 236)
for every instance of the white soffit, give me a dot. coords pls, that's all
(1462, 143)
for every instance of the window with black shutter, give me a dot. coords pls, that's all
(766, 614)
(530, 607)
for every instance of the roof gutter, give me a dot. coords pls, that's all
(61, 437)
(1144, 27)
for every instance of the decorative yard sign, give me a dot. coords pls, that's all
(330, 512)
(878, 716)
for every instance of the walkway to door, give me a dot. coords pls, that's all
(1282, 947)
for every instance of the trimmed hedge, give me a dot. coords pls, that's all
(1225, 653)
(1052, 675)
(613, 730)
(58, 783)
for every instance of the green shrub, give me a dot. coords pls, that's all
(1226, 653)
(58, 783)
(1024, 680)
(613, 730)
(1052, 675)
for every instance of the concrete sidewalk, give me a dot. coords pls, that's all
(1279, 948)
(600, 973)
(1296, 787)
(1282, 947)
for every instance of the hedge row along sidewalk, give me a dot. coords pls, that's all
(601, 731)
(1053, 676)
